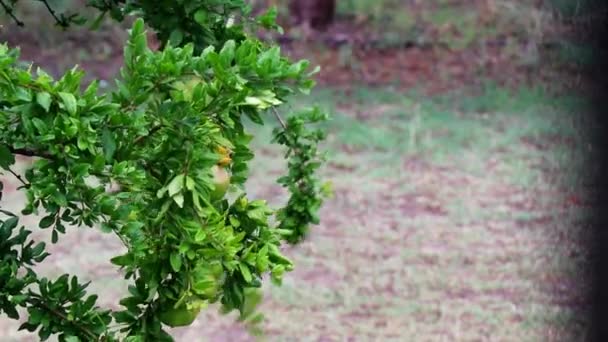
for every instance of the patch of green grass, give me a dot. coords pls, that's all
(463, 23)
(360, 7)
(459, 112)
(389, 127)
(523, 135)
(455, 23)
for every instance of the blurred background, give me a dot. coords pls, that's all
(457, 145)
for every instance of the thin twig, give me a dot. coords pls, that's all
(58, 21)
(278, 116)
(18, 177)
(9, 11)
(152, 131)
(89, 333)
(212, 102)
(30, 153)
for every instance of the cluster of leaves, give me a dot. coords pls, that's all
(304, 159)
(54, 307)
(157, 137)
(200, 22)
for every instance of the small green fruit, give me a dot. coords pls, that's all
(221, 181)
(179, 317)
(187, 86)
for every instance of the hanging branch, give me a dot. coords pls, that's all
(18, 176)
(30, 153)
(306, 192)
(41, 304)
(9, 11)
(278, 116)
(59, 21)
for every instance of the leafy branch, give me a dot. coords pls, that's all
(172, 135)
(306, 190)
(47, 306)
(62, 22)
(36, 302)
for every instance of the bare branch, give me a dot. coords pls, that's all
(9, 11)
(278, 116)
(58, 20)
(18, 176)
(30, 153)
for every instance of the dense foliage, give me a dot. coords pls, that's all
(172, 137)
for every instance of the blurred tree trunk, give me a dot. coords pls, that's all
(315, 14)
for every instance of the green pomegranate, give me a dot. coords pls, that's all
(180, 316)
(209, 279)
(221, 181)
(187, 85)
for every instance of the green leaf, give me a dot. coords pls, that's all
(47, 221)
(10, 311)
(176, 185)
(268, 20)
(109, 144)
(262, 259)
(200, 235)
(179, 200)
(10, 224)
(40, 125)
(44, 100)
(252, 297)
(23, 94)
(82, 143)
(106, 228)
(176, 261)
(69, 101)
(6, 157)
(190, 183)
(38, 249)
(138, 27)
(227, 53)
(245, 272)
(316, 70)
(97, 22)
(283, 232)
(5, 212)
(277, 258)
(201, 17)
(234, 221)
(18, 299)
(258, 214)
(176, 37)
(254, 101)
(122, 260)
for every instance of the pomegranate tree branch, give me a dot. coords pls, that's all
(10, 13)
